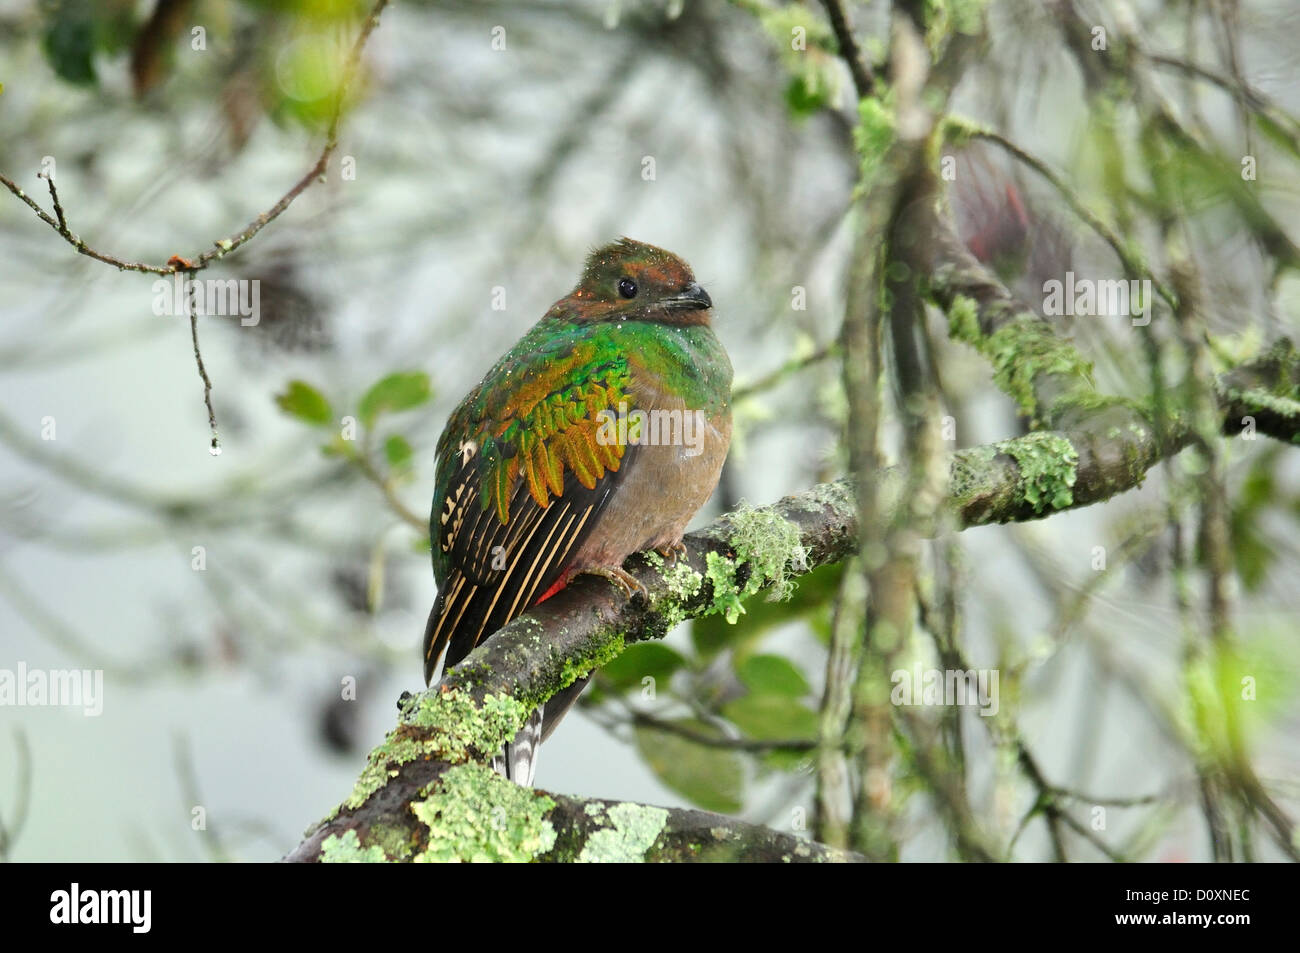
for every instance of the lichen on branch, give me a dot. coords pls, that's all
(481, 702)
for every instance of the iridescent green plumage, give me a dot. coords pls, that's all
(529, 486)
(535, 412)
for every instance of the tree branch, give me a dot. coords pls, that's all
(425, 793)
(480, 703)
(479, 815)
(863, 80)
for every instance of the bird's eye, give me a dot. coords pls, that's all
(627, 288)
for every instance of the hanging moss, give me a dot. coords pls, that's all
(768, 550)
(874, 133)
(964, 320)
(1026, 350)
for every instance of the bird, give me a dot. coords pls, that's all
(599, 434)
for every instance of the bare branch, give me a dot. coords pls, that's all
(863, 80)
(222, 246)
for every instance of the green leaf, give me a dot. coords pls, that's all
(772, 675)
(805, 96)
(395, 392)
(783, 759)
(712, 778)
(1254, 553)
(642, 659)
(398, 452)
(772, 718)
(70, 43)
(1279, 135)
(305, 402)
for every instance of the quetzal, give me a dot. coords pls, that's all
(533, 485)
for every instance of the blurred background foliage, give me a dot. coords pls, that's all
(490, 146)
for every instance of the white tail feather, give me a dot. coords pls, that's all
(518, 760)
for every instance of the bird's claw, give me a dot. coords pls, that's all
(673, 552)
(630, 585)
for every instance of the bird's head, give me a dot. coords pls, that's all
(629, 280)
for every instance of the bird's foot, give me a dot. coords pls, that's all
(630, 585)
(672, 553)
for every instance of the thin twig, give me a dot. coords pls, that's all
(863, 81)
(367, 468)
(54, 197)
(9, 832)
(222, 246)
(792, 366)
(1249, 95)
(187, 775)
(715, 741)
(225, 245)
(1132, 263)
(215, 446)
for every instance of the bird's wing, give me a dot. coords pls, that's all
(522, 489)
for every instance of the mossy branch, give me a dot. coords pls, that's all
(402, 805)
(1042, 372)
(431, 812)
(1264, 395)
(1052, 383)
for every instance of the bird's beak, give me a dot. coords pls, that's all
(693, 298)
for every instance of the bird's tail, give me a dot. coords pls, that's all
(518, 759)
